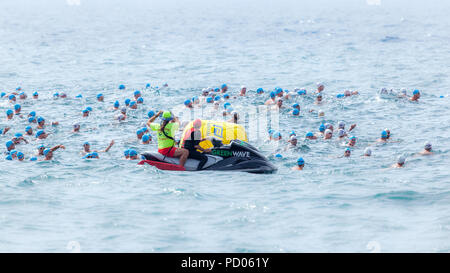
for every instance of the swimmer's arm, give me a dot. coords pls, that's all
(26, 141)
(152, 119)
(6, 130)
(57, 147)
(109, 147)
(352, 127)
(54, 123)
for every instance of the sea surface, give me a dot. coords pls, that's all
(335, 204)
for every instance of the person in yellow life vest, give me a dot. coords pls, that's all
(165, 133)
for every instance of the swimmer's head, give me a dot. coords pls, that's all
(300, 161)
(322, 128)
(121, 87)
(137, 93)
(292, 133)
(17, 107)
(367, 152)
(32, 120)
(273, 94)
(384, 134)
(20, 156)
(416, 92)
(259, 91)
(9, 113)
(341, 133)
(10, 145)
(29, 130)
(116, 104)
(347, 93)
(226, 105)
(401, 160)
(146, 138)
(12, 98)
(100, 97)
(127, 102)
(309, 134)
(427, 146)
(328, 133)
(123, 110)
(301, 92)
(347, 152)
(341, 125)
(150, 113)
(209, 100)
(295, 112)
(296, 105)
(133, 105)
(226, 96)
(321, 113)
(276, 135)
(216, 98)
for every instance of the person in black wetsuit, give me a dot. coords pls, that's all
(192, 143)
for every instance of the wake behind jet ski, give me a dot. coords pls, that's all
(238, 155)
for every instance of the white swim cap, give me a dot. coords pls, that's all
(401, 159)
(321, 113)
(341, 132)
(243, 86)
(328, 131)
(427, 145)
(368, 151)
(341, 125)
(403, 90)
(293, 137)
(319, 84)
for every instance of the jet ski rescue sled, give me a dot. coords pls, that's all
(236, 156)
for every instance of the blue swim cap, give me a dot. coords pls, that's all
(79, 96)
(41, 146)
(99, 95)
(11, 97)
(226, 96)
(187, 102)
(18, 88)
(46, 151)
(31, 119)
(86, 143)
(145, 138)
(276, 135)
(278, 156)
(9, 112)
(194, 98)
(116, 104)
(138, 132)
(216, 98)
(352, 137)
(137, 92)
(33, 158)
(20, 155)
(340, 96)
(94, 155)
(295, 112)
(415, 92)
(132, 103)
(133, 152)
(259, 90)
(147, 85)
(13, 152)
(150, 113)
(127, 102)
(85, 111)
(226, 104)
(223, 86)
(216, 89)
(348, 150)
(8, 157)
(322, 128)
(309, 134)
(140, 100)
(9, 143)
(35, 94)
(121, 87)
(384, 134)
(209, 100)
(17, 107)
(273, 94)
(17, 135)
(89, 108)
(295, 105)
(28, 128)
(271, 131)
(3, 94)
(56, 95)
(300, 161)
(38, 133)
(40, 119)
(126, 152)
(32, 114)
(301, 92)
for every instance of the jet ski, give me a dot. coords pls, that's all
(238, 155)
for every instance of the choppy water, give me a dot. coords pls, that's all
(335, 204)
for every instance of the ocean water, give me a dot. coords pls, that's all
(335, 205)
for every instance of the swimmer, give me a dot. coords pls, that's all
(223, 88)
(279, 104)
(310, 135)
(121, 87)
(271, 100)
(243, 91)
(133, 105)
(127, 102)
(10, 146)
(20, 156)
(403, 93)
(226, 96)
(329, 126)
(139, 134)
(76, 128)
(367, 152)
(416, 96)
(384, 136)
(146, 139)
(188, 104)
(17, 109)
(35, 95)
(318, 99)
(276, 136)
(296, 106)
(347, 152)
(48, 153)
(328, 134)
(300, 165)
(234, 117)
(352, 141)
(100, 98)
(133, 155)
(400, 162)
(321, 129)
(301, 92)
(85, 113)
(320, 87)
(126, 153)
(195, 100)
(41, 134)
(295, 112)
(87, 148)
(140, 100)
(9, 114)
(260, 91)
(12, 98)
(93, 155)
(63, 95)
(116, 105)
(427, 149)
(341, 133)
(292, 142)
(271, 131)
(341, 125)
(41, 123)
(123, 114)
(137, 94)
(19, 138)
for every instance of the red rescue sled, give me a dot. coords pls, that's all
(163, 165)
